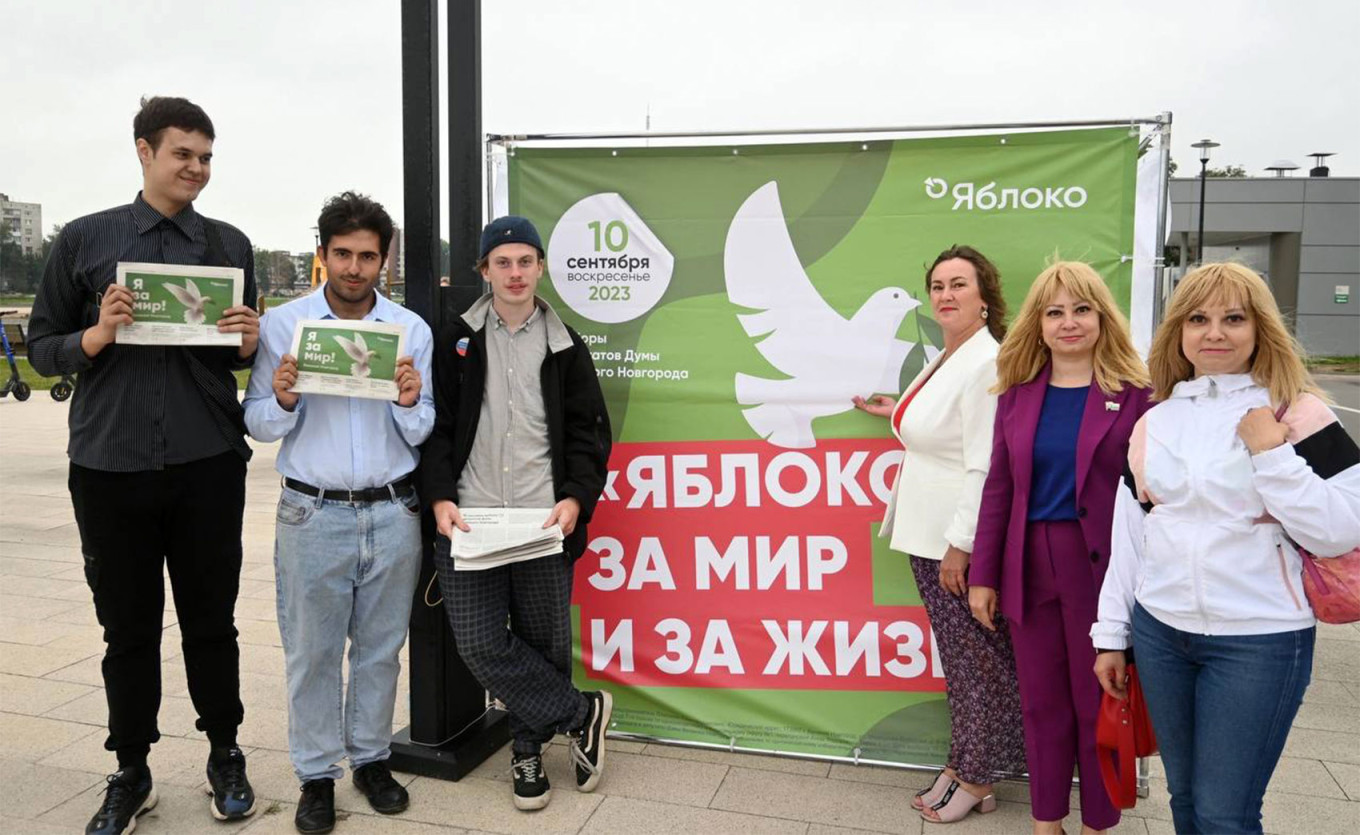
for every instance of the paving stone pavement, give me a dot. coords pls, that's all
(52, 713)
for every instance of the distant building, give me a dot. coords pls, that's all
(1301, 233)
(23, 222)
(394, 268)
(302, 271)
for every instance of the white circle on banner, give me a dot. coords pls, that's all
(605, 262)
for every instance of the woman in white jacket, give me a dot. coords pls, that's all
(1203, 580)
(944, 420)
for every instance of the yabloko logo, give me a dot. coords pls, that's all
(971, 196)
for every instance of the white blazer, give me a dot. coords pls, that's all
(947, 433)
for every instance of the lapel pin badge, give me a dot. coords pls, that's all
(1111, 406)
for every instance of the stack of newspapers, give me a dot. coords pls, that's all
(499, 536)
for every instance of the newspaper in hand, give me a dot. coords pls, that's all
(179, 304)
(502, 535)
(348, 357)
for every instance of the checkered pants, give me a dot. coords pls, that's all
(527, 664)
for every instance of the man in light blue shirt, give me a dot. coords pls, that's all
(347, 537)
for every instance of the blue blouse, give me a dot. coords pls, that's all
(1053, 483)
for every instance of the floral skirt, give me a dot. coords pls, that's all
(987, 736)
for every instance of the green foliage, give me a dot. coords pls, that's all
(1228, 172)
(21, 272)
(40, 383)
(274, 270)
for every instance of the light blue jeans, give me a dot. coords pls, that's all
(343, 570)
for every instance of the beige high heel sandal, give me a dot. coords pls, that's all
(957, 802)
(927, 796)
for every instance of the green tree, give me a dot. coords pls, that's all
(282, 269)
(1230, 172)
(20, 271)
(264, 271)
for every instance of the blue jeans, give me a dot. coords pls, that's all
(1221, 706)
(343, 570)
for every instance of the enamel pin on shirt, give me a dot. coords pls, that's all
(1111, 406)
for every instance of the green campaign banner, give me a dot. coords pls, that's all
(735, 591)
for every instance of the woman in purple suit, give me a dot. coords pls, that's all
(1071, 389)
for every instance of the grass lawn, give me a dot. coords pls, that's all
(1334, 365)
(16, 301)
(40, 383)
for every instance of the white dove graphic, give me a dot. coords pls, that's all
(828, 360)
(192, 300)
(357, 351)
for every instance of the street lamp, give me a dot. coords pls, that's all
(1204, 146)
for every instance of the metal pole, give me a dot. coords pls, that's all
(1154, 120)
(420, 151)
(1203, 180)
(1163, 292)
(451, 730)
(466, 157)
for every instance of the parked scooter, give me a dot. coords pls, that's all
(15, 383)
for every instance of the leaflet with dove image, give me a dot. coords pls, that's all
(348, 358)
(179, 304)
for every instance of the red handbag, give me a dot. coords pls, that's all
(1123, 734)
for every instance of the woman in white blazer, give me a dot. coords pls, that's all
(944, 420)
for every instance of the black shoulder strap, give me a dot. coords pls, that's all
(215, 255)
(216, 383)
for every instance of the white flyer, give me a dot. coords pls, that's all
(348, 357)
(179, 304)
(501, 535)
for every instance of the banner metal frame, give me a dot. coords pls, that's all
(1159, 129)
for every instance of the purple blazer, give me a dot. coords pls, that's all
(998, 559)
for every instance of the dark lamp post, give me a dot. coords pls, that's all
(1204, 146)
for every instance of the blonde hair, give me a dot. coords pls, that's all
(1276, 364)
(1023, 354)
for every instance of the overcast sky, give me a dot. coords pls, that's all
(306, 94)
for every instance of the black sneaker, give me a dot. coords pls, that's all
(587, 744)
(384, 794)
(316, 807)
(232, 796)
(129, 793)
(532, 790)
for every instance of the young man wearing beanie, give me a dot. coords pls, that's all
(520, 423)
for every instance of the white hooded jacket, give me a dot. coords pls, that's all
(1202, 528)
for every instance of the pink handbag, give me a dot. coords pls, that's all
(1332, 584)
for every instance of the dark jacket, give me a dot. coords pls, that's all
(578, 423)
(999, 555)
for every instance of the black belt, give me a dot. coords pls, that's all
(401, 488)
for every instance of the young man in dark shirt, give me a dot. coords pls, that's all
(158, 458)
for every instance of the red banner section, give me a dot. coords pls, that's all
(737, 564)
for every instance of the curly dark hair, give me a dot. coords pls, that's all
(161, 112)
(349, 212)
(989, 285)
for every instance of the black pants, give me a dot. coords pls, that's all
(186, 518)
